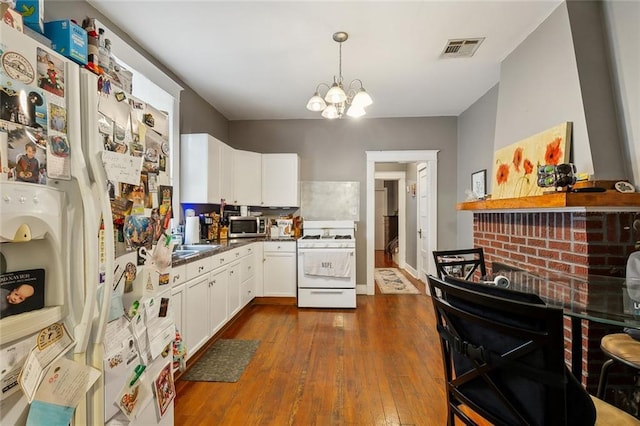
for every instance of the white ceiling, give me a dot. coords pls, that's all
(263, 60)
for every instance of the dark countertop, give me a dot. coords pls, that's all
(222, 246)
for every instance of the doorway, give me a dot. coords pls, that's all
(429, 157)
(399, 179)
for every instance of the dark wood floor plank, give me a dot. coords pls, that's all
(378, 364)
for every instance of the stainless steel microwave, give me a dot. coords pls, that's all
(246, 226)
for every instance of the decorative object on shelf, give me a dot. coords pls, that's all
(623, 186)
(515, 165)
(559, 176)
(479, 184)
(354, 99)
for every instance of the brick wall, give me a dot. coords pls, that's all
(579, 243)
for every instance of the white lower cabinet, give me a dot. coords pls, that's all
(197, 328)
(218, 299)
(279, 273)
(247, 279)
(177, 306)
(233, 286)
(217, 288)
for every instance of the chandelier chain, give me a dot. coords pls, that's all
(340, 66)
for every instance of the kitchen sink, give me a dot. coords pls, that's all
(196, 247)
(186, 251)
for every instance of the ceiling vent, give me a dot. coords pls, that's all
(461, 48)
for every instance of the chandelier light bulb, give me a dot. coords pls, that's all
(355, 111)
(316, 103)
(362, 99)
(335, 95)
(330, 112)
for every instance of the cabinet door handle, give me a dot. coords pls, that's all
(200, 268)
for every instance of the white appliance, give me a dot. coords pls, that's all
(52, 221)
(127, 142)
(43, 221)
(327, 264)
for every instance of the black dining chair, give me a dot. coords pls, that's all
(503, 356)
(461, 263)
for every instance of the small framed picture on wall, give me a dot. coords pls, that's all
(479, 183)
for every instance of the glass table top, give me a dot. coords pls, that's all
(608, 300)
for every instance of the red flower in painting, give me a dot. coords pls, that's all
(503, 174)
(554, 152)
(517, 159)
(528, 167)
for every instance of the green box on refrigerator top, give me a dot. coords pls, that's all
(68, 39)
(32, 12)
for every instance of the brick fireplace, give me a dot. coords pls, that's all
(573, 240)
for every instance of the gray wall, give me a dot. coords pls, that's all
(559, 73)
(335, 151)
(476, 130)
(532, 97)
(623, 39)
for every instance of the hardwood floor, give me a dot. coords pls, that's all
(378, 364)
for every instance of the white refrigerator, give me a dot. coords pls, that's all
(85, 219)
(44, 235)
(126, 146)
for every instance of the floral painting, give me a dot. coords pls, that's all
(516, 165)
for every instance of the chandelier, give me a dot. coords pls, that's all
(354, 99)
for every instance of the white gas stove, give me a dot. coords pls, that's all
(328, 233)
(327, 264)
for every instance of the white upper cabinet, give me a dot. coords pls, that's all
(211, 170)
(248, 178)
(200, 158)
(280, 180)
(227, 174)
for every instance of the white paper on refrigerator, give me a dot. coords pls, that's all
(51, 343)
(122, 167)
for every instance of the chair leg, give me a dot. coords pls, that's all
(602, 382)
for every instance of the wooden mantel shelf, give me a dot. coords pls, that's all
(560, 200)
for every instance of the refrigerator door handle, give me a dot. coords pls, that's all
(80, 173)
(94, 149)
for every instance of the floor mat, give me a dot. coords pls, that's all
(391, 281)
(225, 361)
